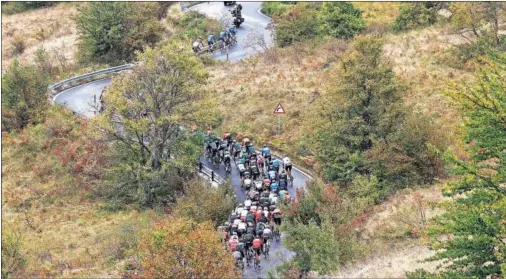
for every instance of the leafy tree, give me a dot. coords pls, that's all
(178, 248)
(365, 129)
(341, 19)
(298, 24)
(476, 217)
(24, 96)
(362, 104)
(415, 15)
(201, 202)
(146, 112)
(111, 32)
(481, 18)
(315, 247)
(318, 229)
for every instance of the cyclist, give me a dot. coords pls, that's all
(258, 214)
(241, 229)
(273, 197)
(247, 203)
(275, 163)
(241, 247)
(211, 40)
(260, 228)
(267, 234)
(197, 45)
(283, 184)
(266, 152)
(250, 218)
(223, 36)
(232, 243)
(257, 246)
(288, 166)
(282, 194)
(236, 149)
(276, 216)
(227, 160)
(260, 162)
(238, 257)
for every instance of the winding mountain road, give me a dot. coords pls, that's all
(254, 21)
(81, 99)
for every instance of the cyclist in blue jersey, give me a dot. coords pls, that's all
(266, 152)
(274, 186)
(276, 163)
(223, 36)
(211, 40)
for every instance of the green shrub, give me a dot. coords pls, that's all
(24, 93)
(111, 32)
(9, 8)
(194, 24)
(307, 21)
(300, 23)
(276, 8)
(202, 202)
(341, 20)
(415, 15)
(18, 45)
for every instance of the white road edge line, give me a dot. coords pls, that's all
(260, 12)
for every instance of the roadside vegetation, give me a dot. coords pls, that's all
(397, 109)
(9, 7)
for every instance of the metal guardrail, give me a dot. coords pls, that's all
(210, 173)
(52, 88)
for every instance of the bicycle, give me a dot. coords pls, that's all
(277, 234)
(257, 263)
(239, 264)
(267, 248)
(228, 167)
(249, 256)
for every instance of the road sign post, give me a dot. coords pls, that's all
(279, 110)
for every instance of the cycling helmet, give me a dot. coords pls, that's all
(227, 224)
(234, 233)
(240, 205)
(266, 209)
(267, 226)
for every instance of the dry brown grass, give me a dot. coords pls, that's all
(249, 91)
(375, 13)
(393, 236)
(49, 28)
(49, 179)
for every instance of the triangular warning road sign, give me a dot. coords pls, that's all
(279, 109)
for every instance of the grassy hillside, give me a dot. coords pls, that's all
(295, 77)
(50, 196)
(52, 28)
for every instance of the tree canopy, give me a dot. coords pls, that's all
(179, 248)
(148, 112)
(476, 218)
(111, 32)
